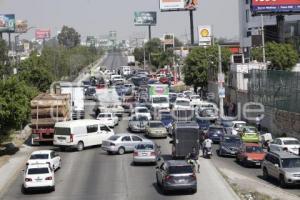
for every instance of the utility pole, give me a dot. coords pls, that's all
(149, 32)
(263, 38)
(192, 26)
(220, 83)
(144, 55)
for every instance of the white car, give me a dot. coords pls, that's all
(182, 103)
(38, 176)
(195, 100)
(49, 157)
(109, 119)
(285, 144)
(236, 125)
(142, 111)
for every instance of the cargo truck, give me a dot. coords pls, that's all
(131, 60)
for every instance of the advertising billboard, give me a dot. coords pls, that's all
(41, 34)
(177, 5)
(7, 23)
(21, 26)
(144, 18)
(275, 6)
(205, 35)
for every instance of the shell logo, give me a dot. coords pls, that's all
(204, 33)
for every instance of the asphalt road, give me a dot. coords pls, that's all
(92, 174)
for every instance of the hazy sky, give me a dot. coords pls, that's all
(97, 17)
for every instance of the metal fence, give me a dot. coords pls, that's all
(277, 89)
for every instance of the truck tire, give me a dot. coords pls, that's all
(80, 146)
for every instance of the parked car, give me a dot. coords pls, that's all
(49, 157)
(146, 152)
(215, 133)
(80, 133)
(109, 119)
(38, 176)
(137, 123)
(249, 134)
(121, 143)
(236, 125)
(285, 144)
(283, 166)
(176, 175)
(156, 129)
(250, 154)
(229, 145)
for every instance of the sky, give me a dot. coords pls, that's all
(98, 17)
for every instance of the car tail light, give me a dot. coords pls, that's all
(153, 154)
(49, 178)
(71, 137)
(167, 178)
(193, 176)
(135, 153)
(28, 179)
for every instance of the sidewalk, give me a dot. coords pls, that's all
(10, 170)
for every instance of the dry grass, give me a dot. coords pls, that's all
(3, 160)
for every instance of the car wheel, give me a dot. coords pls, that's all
(265, 173)
(59, 165)
(194, 190)
(62, 149)
(80, 146)
(157, 181)
(282, 181)
(109, 152)
(24, 190)
(53, 188)
(164, 190)
(121, 150)
(219, 152)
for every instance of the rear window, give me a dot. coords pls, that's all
(145, 147)
(39, 156)
(114, 137)
(156, 125)
(104, 115)
(38, 171)
(254, 149)
(62, 131)
(180, 169)
(290, 142)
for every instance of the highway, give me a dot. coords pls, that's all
(92, 174)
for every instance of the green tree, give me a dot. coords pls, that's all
(15, 98)
(177, 42)
(68, 37)
(139, 54)
(281, 56)
(199, 61)
(4, 68)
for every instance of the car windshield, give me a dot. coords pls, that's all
(290, 142)
(113, 138)
(209, 112)
(183, 103)
(143, 110)
(251, 130)
(145, 147)
(195, 97)
(160, 100)
(232, 140)
(254, 149)
(216, 130)
(180, 169)
(166, 117)
(156, 125)
(290, 162)
(39, 156)
(227, 123)
(239, 125)
(104, 115)
(38, 171)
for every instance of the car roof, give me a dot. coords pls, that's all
(182, 99)
(283, 154)
(176, 162)
(238, 122)
(252, 144)
(154, 121)
(215, 126)
(39, 165)
(287, 138)
(41, 152)
(76, 123)
(249, 127)
(186, 124)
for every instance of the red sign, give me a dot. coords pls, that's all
(41, 34)
(274, 2)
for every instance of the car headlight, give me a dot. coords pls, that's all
(250, 159)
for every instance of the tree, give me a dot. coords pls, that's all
(177, 42)
(4, 68)
(199, 61)
(281, 56)
(68, 37)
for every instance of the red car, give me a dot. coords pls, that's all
(164, 80)
(250, 154)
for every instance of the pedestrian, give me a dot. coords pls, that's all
(257, 119)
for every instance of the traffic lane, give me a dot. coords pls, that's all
(255, 173)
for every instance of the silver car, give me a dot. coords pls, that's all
(156, 129)
(121, 143)
(137, 123)
(146, 152)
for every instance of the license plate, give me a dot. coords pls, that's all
(181, 181)
(61, 138)
(257, 163)
(144, 154)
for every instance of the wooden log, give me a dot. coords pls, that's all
(43, 112)
(46, 122)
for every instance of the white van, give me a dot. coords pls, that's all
(80, 133)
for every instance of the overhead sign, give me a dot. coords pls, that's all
(144, 18)
(275, 6)
(21, 26)
(41, 34)
(7, 23)
(177, 5)
(205, 35)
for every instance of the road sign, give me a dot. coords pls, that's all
(221, 92)
(221, 78)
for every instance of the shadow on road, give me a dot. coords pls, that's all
(171, 193)
(275, 182)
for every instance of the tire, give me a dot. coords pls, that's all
(265, 173)
(157, 182)
(53, 189)
(109, 152)
(164, 190)
(62, 148)
(24, 190)
(219, 152)
(121, 151)
(59, 166)
(282, 181)
(80, 146)
(194, 191)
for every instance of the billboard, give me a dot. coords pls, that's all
(21, 26)
(41, 34)
(7, 23)
(144, 18)
(205, 35)
(177, 5)
(275, 6)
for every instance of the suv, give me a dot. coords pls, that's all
(283, 166)
(176, 175)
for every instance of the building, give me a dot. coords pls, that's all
(250, 27)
